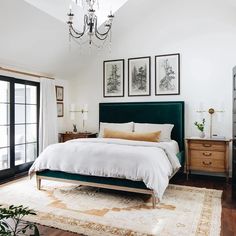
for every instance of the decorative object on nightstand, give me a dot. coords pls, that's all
(74, 128)
(200, 127)
(63, 137)
(211, 111)
(84, 112)
(207, 155)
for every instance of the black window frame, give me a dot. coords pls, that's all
(16, 169)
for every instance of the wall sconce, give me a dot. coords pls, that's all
(211, 111)
(83, 111)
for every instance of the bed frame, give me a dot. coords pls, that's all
(141, 112)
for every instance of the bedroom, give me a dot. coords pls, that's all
(197, 38)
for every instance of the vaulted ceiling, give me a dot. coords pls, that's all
(34, 35)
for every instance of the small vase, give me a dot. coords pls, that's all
(202, 134)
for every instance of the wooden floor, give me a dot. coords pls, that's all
(228, 218)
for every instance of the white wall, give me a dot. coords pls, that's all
(204, 34)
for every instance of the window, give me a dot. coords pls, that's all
(19, 112)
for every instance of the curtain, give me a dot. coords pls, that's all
(48, 133)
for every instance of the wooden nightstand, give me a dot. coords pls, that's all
(207, 155)
(63, 137)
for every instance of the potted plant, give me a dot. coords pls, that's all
(12, 223)
(200, 126)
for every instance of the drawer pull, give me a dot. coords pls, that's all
(206, 145)
(206, 163)
(207, 154)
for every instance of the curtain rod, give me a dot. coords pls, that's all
(25, 73)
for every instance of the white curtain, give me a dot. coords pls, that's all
(48, 133)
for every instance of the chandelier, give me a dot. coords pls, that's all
(90, 27)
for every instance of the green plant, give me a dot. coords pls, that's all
(199, 125)
(12, 223)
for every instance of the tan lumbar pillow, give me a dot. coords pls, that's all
(148, 137)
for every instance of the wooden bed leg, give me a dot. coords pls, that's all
(38, 181)
(153, 201)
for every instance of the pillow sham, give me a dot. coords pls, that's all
(148, 137)
(164, 128)
(126, 127)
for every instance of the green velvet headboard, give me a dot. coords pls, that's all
(147, 112)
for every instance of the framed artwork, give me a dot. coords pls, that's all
(60, 109)
(113, 78)
(167, 74)
(139, 76)
(59, 93)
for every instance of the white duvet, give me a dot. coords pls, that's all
(152, 163)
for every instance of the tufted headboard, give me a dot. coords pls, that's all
(147, 112)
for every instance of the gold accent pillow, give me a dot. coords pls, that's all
(148, 137)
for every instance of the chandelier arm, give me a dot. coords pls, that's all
(101, 34)
(80, 34)
(73, 34)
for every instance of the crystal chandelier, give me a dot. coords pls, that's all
(90, 26)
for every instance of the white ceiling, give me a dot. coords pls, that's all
(34, 36)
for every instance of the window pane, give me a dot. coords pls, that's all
(31, 113)
(4, 114)
(4, 91)
(19, 114)
(19, 134)
(4, 136)
(31, 133)
(19, 154)
(4, 158)
(31, 94)
(31, 152)
(19, 93)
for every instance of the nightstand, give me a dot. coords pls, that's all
(63, 137)
(207, 155)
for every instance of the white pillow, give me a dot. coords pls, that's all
(146, 128)
(125, 127)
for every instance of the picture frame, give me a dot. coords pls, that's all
(139, 76)
(59, 93)
(167, 74)
(113, 78)
(60, 109)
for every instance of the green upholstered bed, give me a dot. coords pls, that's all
(141, 112)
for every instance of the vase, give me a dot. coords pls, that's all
(201, 134)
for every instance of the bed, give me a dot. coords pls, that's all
(141, 112)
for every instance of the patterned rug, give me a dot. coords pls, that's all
(90, 211)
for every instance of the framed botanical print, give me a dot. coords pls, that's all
(139, 76)
(167, 74)
(59, 93)
(60, 109)
(113, 78)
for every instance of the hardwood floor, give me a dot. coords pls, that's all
(228, 217)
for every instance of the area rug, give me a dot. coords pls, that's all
(90, 211)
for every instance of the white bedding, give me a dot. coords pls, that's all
(152, 163)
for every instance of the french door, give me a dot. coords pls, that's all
(19, 118)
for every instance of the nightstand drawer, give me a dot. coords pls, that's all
(207, 154)
(207, 164)
(207, 145)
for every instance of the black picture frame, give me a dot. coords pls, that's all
(59, 93)
(60, 109)
(121, 66)
(158, 79)
(130, 79)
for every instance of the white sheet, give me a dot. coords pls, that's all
(152, 163)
